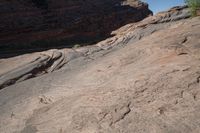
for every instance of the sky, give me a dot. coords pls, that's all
(162, 5)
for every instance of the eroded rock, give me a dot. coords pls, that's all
(135, 83)
(64, 22)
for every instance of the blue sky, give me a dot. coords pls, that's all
(161, 5)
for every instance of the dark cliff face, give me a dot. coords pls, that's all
(75, 21)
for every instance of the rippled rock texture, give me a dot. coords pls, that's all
(146, 78)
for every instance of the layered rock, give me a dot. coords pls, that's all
(15, 70)
(144, 79)
(72, 21)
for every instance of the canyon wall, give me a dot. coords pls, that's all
(64, 21)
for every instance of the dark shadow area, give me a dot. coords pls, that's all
(43, 4)
(15, 49)
(48, 24)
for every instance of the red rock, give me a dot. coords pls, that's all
(77, 21)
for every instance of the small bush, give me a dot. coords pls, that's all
(76, 46)
(194, 5)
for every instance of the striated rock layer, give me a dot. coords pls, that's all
(146, 78)
(74, 21)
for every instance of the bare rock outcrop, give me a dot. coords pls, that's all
(49, 61)
(146, 78)
(64, 22)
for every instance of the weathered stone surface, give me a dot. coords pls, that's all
(74, 21)
(144, 79)
(57, 58)
(46, 62)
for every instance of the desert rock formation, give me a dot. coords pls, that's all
(146, 78)
(71, 21)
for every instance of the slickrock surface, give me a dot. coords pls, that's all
(73, 21)
(144, 79)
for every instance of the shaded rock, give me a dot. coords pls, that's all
(64, 22)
